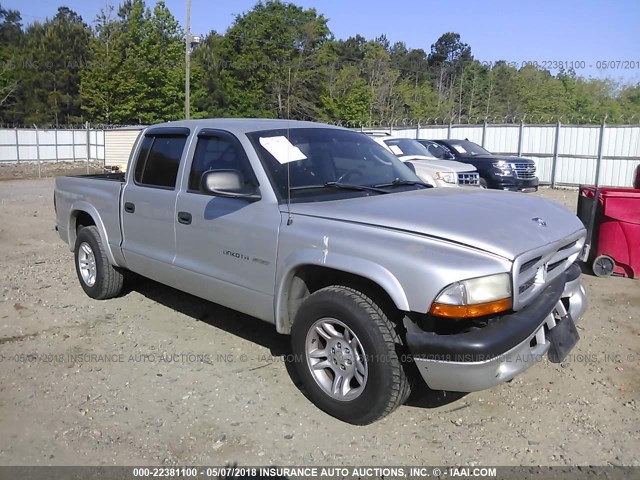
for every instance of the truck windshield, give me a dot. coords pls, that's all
(468, 148)
(406, 146)
(329, 163)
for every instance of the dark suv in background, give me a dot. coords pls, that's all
(500, 172)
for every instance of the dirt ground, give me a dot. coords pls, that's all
(32, 170)
(160, 377)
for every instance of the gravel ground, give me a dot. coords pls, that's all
(160, 377)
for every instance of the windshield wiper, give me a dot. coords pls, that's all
(397, 182)
(343, 186)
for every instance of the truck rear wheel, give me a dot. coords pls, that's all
(98, 278)
(347, 355)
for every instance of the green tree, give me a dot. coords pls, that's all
(596, 100)
(476, 85)
(416, 101)
(630, 101)
(348, 98)
(208, 96)
(541, 94)
(53, 54)
(448, 58)
(381, 79)
(137, 72)
(10, 38)
(271, 58)
(503, 99)
(412, 63)
(351, 50)
(99, 86)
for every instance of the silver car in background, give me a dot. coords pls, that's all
(435, 172)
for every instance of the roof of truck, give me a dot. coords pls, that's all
(243, 125)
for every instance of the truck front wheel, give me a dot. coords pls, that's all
(98, 278)
(347, 356)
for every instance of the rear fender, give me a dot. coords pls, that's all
(76, 209)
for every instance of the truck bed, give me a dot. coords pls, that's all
(98, 195)
(114, 177)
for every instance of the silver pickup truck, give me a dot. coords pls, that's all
(378, 278)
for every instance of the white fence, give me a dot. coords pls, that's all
(564, 154)
(32, 145)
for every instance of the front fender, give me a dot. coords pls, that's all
(425, 174)
(349, 264)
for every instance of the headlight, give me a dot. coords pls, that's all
(448, 177)
(475, 297)
(505, 169)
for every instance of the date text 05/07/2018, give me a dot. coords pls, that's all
(567, 64)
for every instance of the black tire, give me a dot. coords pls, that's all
(387, 385)
(483, 183)
(603, 266)
(107, 281)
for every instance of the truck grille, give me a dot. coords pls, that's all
(533, 270)
(468, 178)
(525, 171)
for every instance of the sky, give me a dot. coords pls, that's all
(587, 33)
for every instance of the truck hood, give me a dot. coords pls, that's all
(438, 165)
(502, 223)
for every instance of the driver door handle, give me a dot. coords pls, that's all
(184, 218)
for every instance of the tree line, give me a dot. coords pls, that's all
(276, 60)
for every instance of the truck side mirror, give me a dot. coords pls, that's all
(228, 183)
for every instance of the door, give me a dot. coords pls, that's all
(226, 247)
(148, 203)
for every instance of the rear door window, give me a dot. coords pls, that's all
(159, 160)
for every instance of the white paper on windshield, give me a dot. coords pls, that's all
(282, 149)
(395, 149)
(459, 148)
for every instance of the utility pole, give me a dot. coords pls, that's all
(187, 102)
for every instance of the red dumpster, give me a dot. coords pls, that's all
(614, 229)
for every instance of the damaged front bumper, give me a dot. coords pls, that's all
(496, 353)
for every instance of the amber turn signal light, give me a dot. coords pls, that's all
(470, 311)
